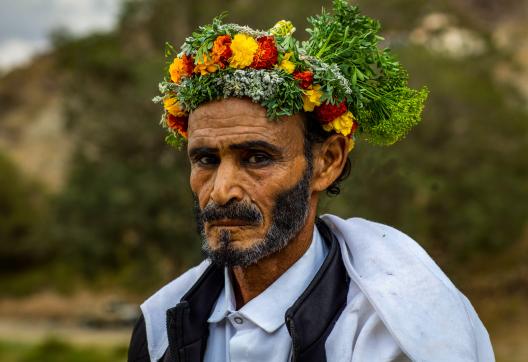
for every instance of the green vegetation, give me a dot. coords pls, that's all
(456, 181)
(53, 350)
(22, 217)
(385, 107)
(124, 219)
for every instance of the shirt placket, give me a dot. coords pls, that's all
(240, 339)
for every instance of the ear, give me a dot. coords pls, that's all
(329, 161)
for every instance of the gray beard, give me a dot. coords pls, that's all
(288, 217)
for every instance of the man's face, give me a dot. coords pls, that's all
(250, 179)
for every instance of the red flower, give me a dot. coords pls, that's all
(188, 63)
(327, 112)
(354, 127)
(222, 50)
(178, 124)
(266, 55)
(305, 78)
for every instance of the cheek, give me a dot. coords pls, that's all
(267, 186)
(263, 195)
(200, 185)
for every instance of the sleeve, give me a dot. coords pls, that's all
(482, 339)
(138, 349)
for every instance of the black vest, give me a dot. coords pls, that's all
(309, 320)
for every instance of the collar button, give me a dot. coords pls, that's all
(238, 320)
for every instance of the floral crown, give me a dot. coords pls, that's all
(351, 86)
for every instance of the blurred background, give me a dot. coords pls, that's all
(95, 210)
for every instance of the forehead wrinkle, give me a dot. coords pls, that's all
(231, 122)
(219, 126)
(225, 140)
(230, 106)
(232, 130)
(222, 115)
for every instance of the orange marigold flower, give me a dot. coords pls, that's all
(206, 65)
(222, 50)
(178, 124)
(266, 54)
(327, 112)
(181, 67)
(305, 78)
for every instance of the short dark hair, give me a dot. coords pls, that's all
(315, 134)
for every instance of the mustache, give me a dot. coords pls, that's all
(233, 210)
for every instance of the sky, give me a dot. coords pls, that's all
(25, 25)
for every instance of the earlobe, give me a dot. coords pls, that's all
(329, 161)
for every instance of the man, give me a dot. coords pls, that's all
(269, 125)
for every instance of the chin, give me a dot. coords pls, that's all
(240, 238)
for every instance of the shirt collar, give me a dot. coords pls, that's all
(267, 310)
(225, 303)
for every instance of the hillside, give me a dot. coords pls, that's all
(92, 201)
(32, 123)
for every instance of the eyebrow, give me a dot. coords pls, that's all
(236, 146)
(255, 144)
(202, 150)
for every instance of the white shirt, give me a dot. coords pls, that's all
(398, 300)
(257, 331)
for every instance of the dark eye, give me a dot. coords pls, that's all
(258, 158)
(207, 160)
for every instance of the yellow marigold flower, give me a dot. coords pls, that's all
(312, 98)
(328, 127)
(351, 144)
(283, 28)
(287, 65)
(342, 124)
(206, 65)
(244, 48)
(172, 106)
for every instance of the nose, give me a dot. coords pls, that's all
(226, 186)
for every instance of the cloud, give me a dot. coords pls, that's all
(25, 25)
(82, 17)
(15, 52)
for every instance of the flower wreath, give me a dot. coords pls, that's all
(339, 73)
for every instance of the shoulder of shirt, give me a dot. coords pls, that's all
(154, 309)
(410, 293)
(376, 239)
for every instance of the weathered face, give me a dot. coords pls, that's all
(249, 175)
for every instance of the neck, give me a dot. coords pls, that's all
(249, 282)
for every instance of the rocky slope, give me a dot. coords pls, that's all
(32, 122)
(32, 126)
